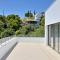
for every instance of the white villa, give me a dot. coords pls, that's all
(38, 16)
(52, 26)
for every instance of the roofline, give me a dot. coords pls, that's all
(50, 6)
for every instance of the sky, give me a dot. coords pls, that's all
(21, 6)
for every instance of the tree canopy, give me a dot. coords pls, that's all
(29, 14)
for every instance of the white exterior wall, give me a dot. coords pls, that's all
(52, 15)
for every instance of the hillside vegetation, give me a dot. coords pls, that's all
(10, 25)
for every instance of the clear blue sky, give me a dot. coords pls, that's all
(21, 6)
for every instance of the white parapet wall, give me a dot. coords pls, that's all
(6, 47)
(31, 39)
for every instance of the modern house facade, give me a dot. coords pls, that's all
(38, 16)
(52, 26)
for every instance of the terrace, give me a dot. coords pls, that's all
(26, 48)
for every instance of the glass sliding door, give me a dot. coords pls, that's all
(49, 35)
(52, 35)
(59, 38)
(56, 37)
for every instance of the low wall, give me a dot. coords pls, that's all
(5, 39)
(31, 39)
(6, 48)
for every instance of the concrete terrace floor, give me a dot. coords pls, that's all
(33, 51)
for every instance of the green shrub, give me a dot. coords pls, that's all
(7, 32)
(18, 32)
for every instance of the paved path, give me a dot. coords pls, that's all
(33, 51)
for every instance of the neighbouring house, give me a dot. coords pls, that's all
(38, 16)
(52, 26)
(34, 21)
(28, 22)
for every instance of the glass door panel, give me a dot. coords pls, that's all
(49, 32)
(59, 38)
(56, 37)
(52, 36)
